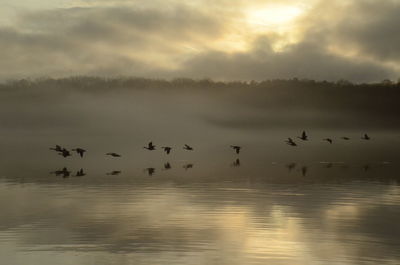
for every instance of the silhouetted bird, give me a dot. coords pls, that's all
(365, 137)
(114, 172)
(150, 171)
(64, 152)
(236, 163)
(345, 138)
(167, 149)
(167, 166)
(150, 146)
(80, 173)
(303, 136)
(187, 147)
(187, 166)
(304, 170)
(57, 148)
(290, 142)
(80, 151)
(329, 140)
(113, 154)
(236, 148)
(291, 166)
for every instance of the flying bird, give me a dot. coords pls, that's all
(303, 136)
(57, 148)
(64, 152)
(167, 149)
(113, 154)
(365, 137)
(187, 147)
(345, 138)
(329, 140)
(80, 151)
(150, 146)
(236, 148)
(290, 142)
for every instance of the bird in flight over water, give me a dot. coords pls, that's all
(167, 149)
(187, 147)
(57, 148)
(290, 142)
(150, 146)
(64, 152)
(80, 151)
(329, 140)
(236, 148)
(303, 136)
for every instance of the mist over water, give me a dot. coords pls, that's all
(317, 203)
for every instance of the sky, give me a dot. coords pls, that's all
(226, 40)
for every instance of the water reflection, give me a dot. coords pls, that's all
(65, 173)
(236, 163)
(290, 166)
(80, 173)
(150, 171)
(304, 171)
(167, 166)
(114, 172)
(188, 166)
(241, 221)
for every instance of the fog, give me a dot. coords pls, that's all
(122, 115)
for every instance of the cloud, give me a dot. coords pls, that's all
(305, 60)
(99, 40)
(372, 27)
(171, 39)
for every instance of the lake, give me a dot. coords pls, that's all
(317, 203)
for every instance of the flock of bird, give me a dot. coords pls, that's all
(150, 146)
(167, 149)
(304, 137)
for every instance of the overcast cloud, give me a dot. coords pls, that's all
(355, 40)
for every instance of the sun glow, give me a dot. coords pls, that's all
(272, 17)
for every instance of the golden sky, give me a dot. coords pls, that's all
(221, 39)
